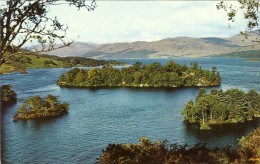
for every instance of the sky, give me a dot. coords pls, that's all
(129, 21)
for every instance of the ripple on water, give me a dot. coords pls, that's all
(98, 117)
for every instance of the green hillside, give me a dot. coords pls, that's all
(22, 62)
(253, 55)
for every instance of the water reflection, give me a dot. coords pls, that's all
(220, 133)
(39, 123)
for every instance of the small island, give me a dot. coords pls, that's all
(36, 107)
(8, 96)
(138, 75)
(219, 107)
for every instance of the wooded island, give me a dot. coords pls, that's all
(218, 107)
(138, 75)
(36, 107)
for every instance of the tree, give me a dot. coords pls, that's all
(48, 62)
(80, 77)
(28, 21)
(190, 112)
(254, 98)
(137, 66)
(173, 67)
(234, 105)
(195, 65)
(222, 111)
(202, 93)
(153, 75)
(250, 9)
(214, 70)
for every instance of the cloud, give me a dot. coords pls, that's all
(128, 21)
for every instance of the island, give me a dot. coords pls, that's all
(138, 75)
(30, 59)
(36, 107)
(219, 107)
(8, 95)
(163, 152)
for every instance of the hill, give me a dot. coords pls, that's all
(76, 49)
(30, 60)
(170, 47)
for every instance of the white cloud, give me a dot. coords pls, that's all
(127, 21)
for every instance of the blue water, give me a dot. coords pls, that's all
(98, 117)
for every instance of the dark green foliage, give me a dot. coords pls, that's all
(138, 75)
(218, 107)
(148, 152)
(19, 59)
(36, 107)
(8, 96)
(82, 61)
(25, 60)
(49, 62)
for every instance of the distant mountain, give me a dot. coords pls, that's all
(170, 47)
(76, 49)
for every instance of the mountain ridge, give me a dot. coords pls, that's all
(164, 48)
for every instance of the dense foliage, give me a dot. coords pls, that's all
(36, 107)
(8, 96)
(216, 107)
(138, 75)
(148, 152)
(249, 146)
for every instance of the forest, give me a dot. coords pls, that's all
(138, 75)
(217, 107)
(37, 107)
(148, 152)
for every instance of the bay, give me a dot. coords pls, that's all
(100, 116)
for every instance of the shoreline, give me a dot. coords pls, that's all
(136, 86)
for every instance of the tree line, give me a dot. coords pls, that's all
(83, 61)
(138, 75)
(231, 106)
(67, 61)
